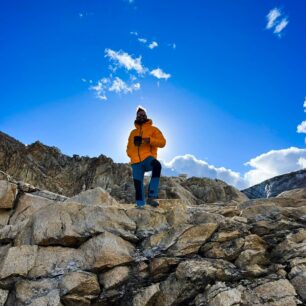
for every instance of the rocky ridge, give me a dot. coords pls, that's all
(89, 249)
(276, 185)
(48, 169)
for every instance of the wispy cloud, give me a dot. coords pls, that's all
(153, 45)
(125, 60)
(272, 16)
(301, 128)
(115, 85)
(142, 40)
(119, 86)
(158, 73)
(100, 88)
(276, 21)
(278, 29)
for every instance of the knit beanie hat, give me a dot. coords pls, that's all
(141, 108)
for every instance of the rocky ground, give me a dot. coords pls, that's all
(209, 246)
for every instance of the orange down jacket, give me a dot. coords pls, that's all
(145, 130)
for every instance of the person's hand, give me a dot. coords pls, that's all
(146, 140)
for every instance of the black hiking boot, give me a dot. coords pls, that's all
(152, 202)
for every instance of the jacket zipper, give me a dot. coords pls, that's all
(139, 146)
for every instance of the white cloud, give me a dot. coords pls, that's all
(115, 85)
(158, 73)
(273, 163)
(142, 40)
(153, 45)
(301, 128)
(173, 45)
(100, 88)
(192, 166)
(281, 26)
(120, 86)
(266, 165)
(125, 60)
(275, 21)
(272, 16)
(134, 33)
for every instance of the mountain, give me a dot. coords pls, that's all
(276, 185)
(47, 168)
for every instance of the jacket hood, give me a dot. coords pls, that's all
(147, 123)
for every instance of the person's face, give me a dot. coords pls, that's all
(141, 115)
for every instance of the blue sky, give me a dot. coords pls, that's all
(223, 80)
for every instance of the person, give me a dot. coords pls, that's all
(142, 146)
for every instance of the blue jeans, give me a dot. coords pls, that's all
(148, 164)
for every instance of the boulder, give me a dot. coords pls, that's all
(106, 251)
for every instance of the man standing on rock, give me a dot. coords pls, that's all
(142, 148)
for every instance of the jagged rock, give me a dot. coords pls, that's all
(190, 277)
(146, 296)
(253, 256)
(276, 292)
(161, 266)
(293, 246)
(96, 196)
(47, 168)
(114, 277)
(10, 232)
(198, 215)
(297, 194)
(52, 298)
(54, 261)
(79, 288)
(191, 240)
(106, 251)
(220, 295)
(18, 261)
(8, 193)
(210, 191)
(160, 242)
(228, 250)
(31, 291)
(70, 224)
(28, 204)
(148, 221)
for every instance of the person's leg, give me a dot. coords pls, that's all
(138, 174)
(155, 166)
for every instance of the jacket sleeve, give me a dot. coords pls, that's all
(157, 139)
(129, 146)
